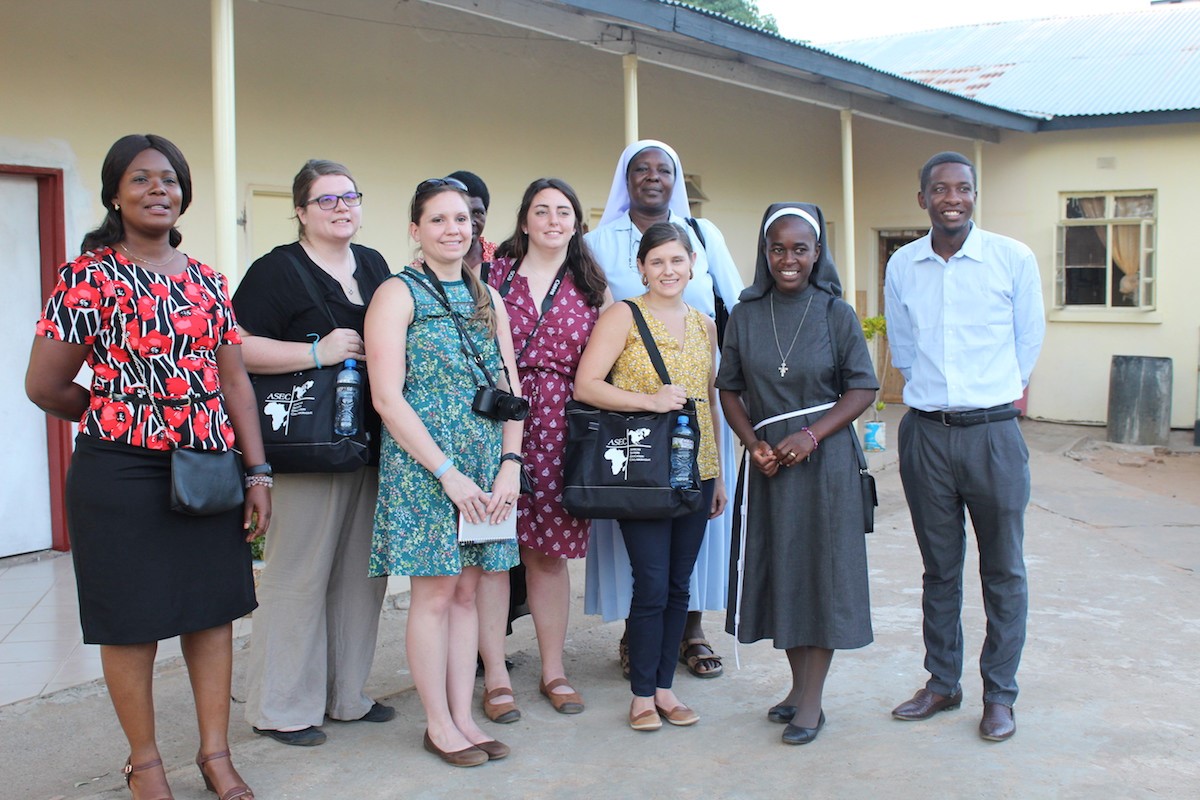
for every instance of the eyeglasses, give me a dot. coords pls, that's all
(437, 183)
(328, 202)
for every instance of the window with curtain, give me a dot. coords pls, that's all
(1105, 252)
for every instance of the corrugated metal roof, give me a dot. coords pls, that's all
(1138, 61)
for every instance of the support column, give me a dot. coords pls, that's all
(978, 214)
(845, 258)
(629, 62)
(224, 138)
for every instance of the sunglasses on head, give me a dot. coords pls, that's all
(437, 183)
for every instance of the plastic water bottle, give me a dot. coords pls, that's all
(683, 454)
(347, 414)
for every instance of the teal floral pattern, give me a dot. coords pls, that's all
(416, 525)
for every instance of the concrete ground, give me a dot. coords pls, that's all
(1107, 709)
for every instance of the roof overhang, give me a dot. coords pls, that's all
(1139, 118)
(699, 43)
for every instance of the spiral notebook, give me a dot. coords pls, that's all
(485, 532)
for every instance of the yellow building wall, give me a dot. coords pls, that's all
(429, 91)
(397, 103)
(1024, 179)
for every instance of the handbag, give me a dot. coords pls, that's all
(205, 482)
(720, 310)
(618, 463)
(870, 498)
(296, 413)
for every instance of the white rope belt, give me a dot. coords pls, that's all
(743, 509)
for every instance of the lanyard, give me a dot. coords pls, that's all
(547, 301)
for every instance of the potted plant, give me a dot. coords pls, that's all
(875, 431)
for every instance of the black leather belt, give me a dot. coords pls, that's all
(978, 416)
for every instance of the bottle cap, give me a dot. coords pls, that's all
(683, 420)
(351, 363)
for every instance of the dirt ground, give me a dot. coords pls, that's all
(1153, 469)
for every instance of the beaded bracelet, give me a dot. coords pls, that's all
(259, 480)
(812, 436)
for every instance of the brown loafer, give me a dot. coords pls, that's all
(495, 749)
(998, 722)
(680, 715)
(646, 721)
(502, 713)
(924, 704)
(467, 757)
(569, 703)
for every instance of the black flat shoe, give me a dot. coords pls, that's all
(794, 734)
(781, 714)
(305, 737)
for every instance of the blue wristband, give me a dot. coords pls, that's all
(446, 466)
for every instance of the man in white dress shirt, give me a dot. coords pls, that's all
(965, 323)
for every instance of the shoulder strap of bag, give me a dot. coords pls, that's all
(694, 224)
(837, 373)
(650, 344)
(313, 292)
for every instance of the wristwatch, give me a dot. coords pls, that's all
(512, 457)
(260, 469)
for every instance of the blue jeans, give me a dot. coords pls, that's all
(662, 553)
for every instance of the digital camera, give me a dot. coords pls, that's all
(498, 404)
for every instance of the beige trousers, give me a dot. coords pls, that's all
(315, 628)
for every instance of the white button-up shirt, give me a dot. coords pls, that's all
(965, 333)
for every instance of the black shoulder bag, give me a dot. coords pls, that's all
(618, 463)
(870, 498)
(296, 412)
(720, 310)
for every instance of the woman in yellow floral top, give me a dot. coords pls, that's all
(661, 551)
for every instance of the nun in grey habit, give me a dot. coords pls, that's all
(795, 373)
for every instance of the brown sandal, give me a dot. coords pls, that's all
(700, 664)
(502, 713)
(235, 793)
(568, 703)
(131, 768)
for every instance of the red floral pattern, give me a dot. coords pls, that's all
(139, 323)
(547, 370)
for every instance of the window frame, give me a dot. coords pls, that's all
(1147, 249)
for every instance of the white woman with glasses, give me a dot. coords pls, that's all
(318, 615)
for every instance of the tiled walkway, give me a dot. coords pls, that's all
(41, 647)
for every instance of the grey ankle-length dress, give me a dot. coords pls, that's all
(804, 579)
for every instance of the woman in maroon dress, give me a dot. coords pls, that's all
(553, 290)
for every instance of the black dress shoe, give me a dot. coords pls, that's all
(925, 704)
(305, 737)
(781, 713)
(378, 713)
(998, 722)
(794, 734)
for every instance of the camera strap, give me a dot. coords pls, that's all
(547, 301)
(438, 293)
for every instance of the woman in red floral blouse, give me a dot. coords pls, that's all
(157, 329)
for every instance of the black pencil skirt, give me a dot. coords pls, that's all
(144, 572)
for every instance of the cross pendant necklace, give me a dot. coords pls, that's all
(783, 357)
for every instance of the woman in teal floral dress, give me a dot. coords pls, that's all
(442, 460)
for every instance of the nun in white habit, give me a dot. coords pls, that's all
(648, 187)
